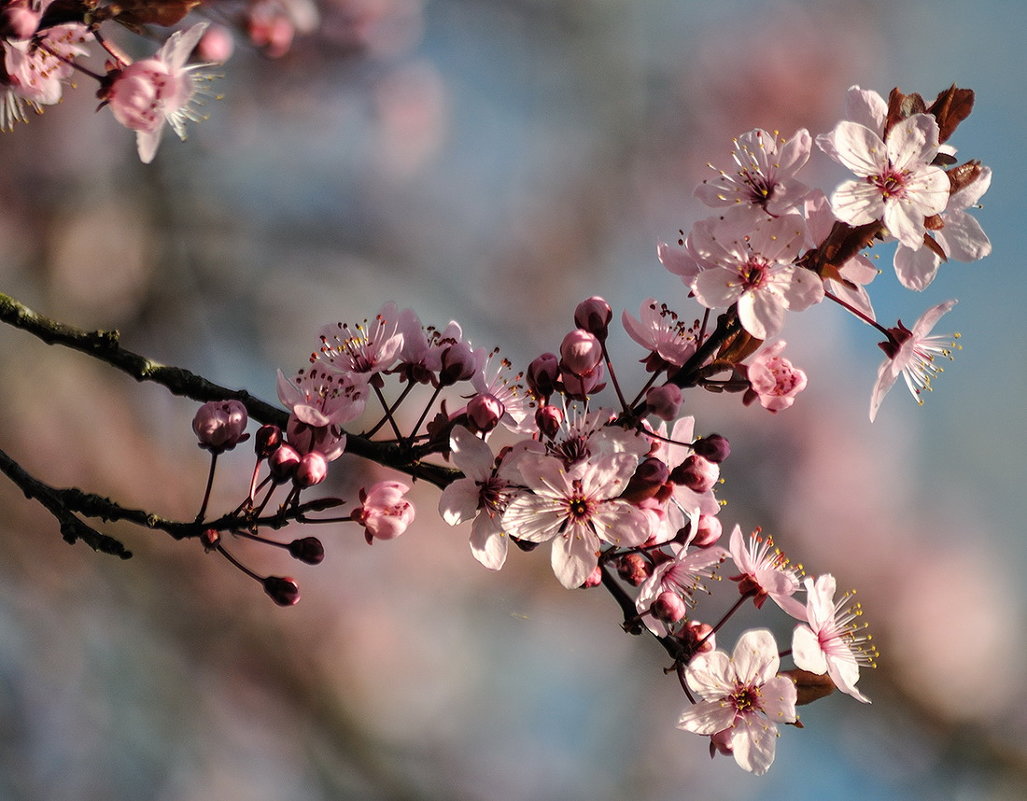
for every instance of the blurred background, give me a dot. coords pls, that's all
(495, 163)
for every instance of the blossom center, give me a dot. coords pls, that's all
(753, 272)
(746, 698)
(891, 182)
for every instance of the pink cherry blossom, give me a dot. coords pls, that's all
(749, 261)
(481, 496)
(383, 511)
(897, 183)
(146, 94)
(491, 377)
(773, 379)
(855, 274)
(743, 699)
(659, 329)
(578, 508)
(33, 73)
(961, 238)
(765, 173)
(367, 348)
(765, 572)
(832, 641)
(912, 355)
(683, 575)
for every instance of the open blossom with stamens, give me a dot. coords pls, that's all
(897, 182)
(832, 641)
(682, 575)
(749, 261)
(482, 495)
(33, 71)
(765, 174)
(912, 355)
(743, 699)
(659, 329)
(960, 237)
(367, 348)
(147, 94)
(773, 379)
(578, 508)
(765, 572)
(490, 378)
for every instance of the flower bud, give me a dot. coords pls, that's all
(580, 352)
(283, 591)
(384, 512)
(595, 578)
(18, 21)
(210, 539)
(713, 447)
(697, 473)
(669, 607)
(542, 374)
(283, 463)
(308, 550)
(664, 401)
(548, 419)
(458, 364)
(311, 470)
(708, 531)
(695, 632)
(594, 316)
(634, 568)
(220, 425)
(525, 545)
(648, 478)
(579, 387)
(215, 46)
(484, 412)
(268, 438)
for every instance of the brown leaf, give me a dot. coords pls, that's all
(154, 12)
(951, 107)
(901, 106)
(963, 175)
(739, 347)
(809, 687)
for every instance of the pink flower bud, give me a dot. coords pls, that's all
(484, 412)
(283, 591)
(548, 419)
(580, 387)
(697, 473)
(708, 531)
(458, 364)
(773, 379)
(311, 470)
(18, 21)
(714, 447)
(268, 438)
(669, 607)
(210, 539)
(221, 425)
(595, 578)
(664, 401)
(647, 480)
(215, 46)
(580, 352)
(594, 316)
(542, 374)
(696, 632)
(283, 463)
(634, 568)
(308, 550)
(384, 512)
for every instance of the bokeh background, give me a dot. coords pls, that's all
(495, 163)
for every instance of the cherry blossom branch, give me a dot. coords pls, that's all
(72, 529)
(105, 345)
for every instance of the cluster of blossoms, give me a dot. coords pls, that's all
(624, 490)
(43, 43)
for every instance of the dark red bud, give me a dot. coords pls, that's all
(283, 591)
(308, 550)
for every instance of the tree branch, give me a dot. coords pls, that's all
(106, 347)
